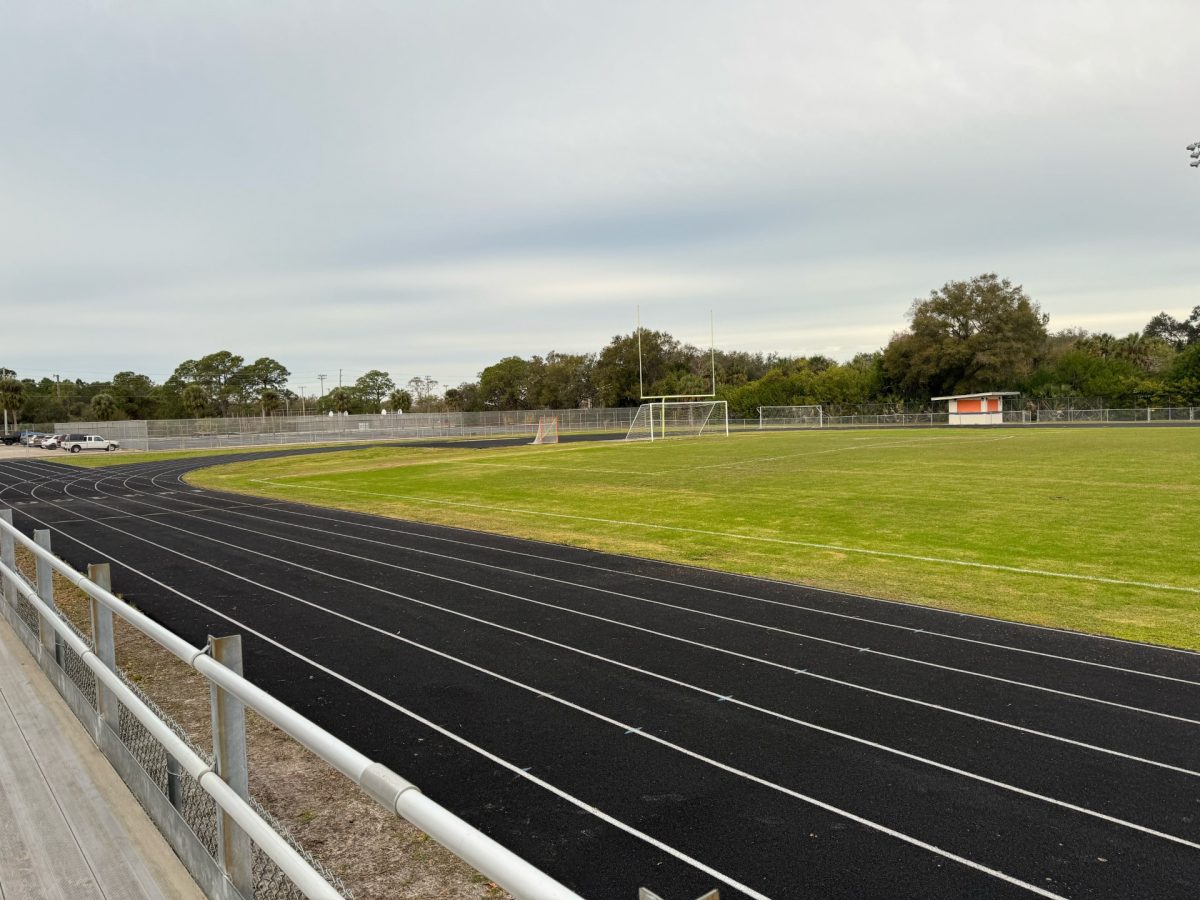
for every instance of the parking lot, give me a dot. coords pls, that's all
(22, 451)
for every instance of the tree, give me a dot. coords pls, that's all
(104, 407)
(136, 395)
(340, 400)
(194, 400)
(1185, 373)
(1177, 334)
(504, 384)
(259, 377)
(423, 390)
(560, 381)
(982, 334)
(269, 401)
(12, 392)
(218, 373)
(400, 401)
(373, 387)
(615, 373)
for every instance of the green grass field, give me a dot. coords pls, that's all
(1105, 522)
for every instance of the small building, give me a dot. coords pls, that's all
(978, 409)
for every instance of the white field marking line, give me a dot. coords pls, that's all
(761, 459)
(568, 562)
(624, 726)
(746, 537)
(765, 600)
(180, 471)
(445, 732)
(646, 630)
(758, 579)
(715, 694)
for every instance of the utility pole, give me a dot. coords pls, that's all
(303, 405)
(57, 389)
(339, 377)
(321, 378)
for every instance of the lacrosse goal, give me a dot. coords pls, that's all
(547, 432)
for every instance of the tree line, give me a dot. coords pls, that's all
(981, 334)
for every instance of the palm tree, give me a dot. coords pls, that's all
(400, 401)
(195, 400)
(341, 399)
(269, 401)
(12, 392)
(104, 407)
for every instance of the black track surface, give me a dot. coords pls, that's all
(763, 738)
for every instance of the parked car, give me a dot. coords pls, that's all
(9, 439)
(27, 437)
(74, 443)
(53, 442)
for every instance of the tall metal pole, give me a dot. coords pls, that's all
(712, 349)
(641, 387)
(321, 378)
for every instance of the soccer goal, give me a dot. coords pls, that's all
(790, 417)
(547, 432)
(678, 419)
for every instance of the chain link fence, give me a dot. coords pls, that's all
(253, 431)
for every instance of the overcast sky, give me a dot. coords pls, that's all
(425, 187)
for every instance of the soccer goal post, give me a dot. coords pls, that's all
(791, 417)
(678, 419)
(547, 432)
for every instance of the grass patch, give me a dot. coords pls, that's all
(839, 509)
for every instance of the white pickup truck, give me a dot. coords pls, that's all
(77, 442)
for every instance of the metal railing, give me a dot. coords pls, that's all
(84, 671)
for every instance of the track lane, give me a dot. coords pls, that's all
(131, 485)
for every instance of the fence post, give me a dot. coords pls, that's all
(45, 589)
(105, 644)
(229, 750)
(8, 556)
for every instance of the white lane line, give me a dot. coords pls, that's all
(739, 575)
(867, 823)
(181, 470)
(744, 537)
(683, 640)
(771, 628)
(445, 732)
(607, 660)
(785, 605)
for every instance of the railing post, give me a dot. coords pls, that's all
(229, 749)
(175, 783)
(8, 556)
(45, 588)
(104, 642)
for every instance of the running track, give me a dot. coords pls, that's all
(622, 722)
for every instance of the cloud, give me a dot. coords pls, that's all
(427, 188)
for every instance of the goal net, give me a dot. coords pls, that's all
(679, 418)
(547, 432)
(790, 417)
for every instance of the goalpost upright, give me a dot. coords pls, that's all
(690, 413)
